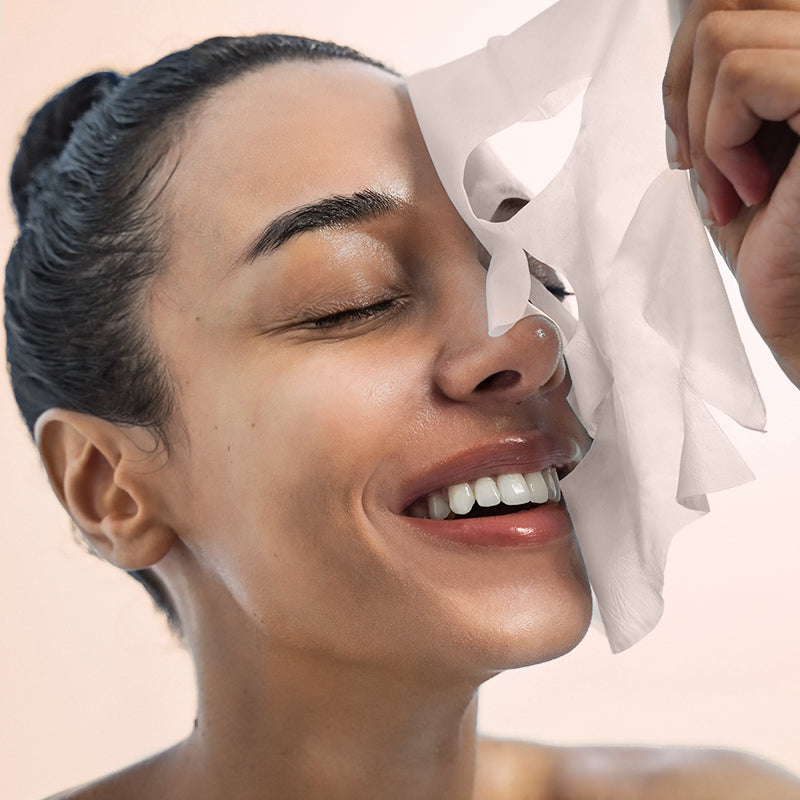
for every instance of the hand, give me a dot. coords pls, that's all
(732, 100)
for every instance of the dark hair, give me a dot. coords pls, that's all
(84, 186)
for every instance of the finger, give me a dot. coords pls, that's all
(752, 86)
(678, 74)
(718, 34)
(675, 86)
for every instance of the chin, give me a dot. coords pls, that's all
(516, 624)
(539, 633)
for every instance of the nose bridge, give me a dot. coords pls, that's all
(473, 365)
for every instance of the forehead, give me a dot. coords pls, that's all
(286, 135)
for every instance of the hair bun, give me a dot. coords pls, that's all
(50, 129)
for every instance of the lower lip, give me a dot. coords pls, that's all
(534, 527)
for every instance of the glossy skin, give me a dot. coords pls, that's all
(338, 648)
(301, 439)
(303, 433)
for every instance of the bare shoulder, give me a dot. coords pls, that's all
(508, 770)
(665, 772)
(149, 778)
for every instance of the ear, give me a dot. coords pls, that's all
(109, 484)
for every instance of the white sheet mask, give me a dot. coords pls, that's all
(655, 338)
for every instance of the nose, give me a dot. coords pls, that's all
(525, 361)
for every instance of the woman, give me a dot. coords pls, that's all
(302, 380)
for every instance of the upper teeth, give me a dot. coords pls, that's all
(512, 488)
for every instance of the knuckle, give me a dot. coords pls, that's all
(713, 34)
(735, 70)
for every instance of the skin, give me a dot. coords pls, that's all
(732, 98)
(338, 651)
(344, 647)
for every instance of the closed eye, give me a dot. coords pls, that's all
(544, 273)
(548, 277)
(350, 315)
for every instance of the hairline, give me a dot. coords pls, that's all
(172, 136)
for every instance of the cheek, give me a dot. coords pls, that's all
(290, 449)
(287, 457)
(336, 417)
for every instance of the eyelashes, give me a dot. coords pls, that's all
(353, 315)
(543, 273)
(560, 292)
(548, 277)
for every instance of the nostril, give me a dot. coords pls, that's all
(504, 379)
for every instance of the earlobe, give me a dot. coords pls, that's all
(116, 508)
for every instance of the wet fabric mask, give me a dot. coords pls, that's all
(654, 341)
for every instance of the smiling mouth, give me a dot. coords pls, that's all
(489, 496)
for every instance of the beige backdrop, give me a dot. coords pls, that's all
(89, 679)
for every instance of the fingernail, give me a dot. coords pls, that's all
(701, 201)
(673, 149)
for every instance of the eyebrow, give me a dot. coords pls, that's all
(330, 212)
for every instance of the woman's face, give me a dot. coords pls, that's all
(334, 368)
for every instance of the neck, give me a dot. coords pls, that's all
(279, 722)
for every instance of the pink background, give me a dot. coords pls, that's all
(89, 678)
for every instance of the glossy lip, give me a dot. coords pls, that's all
(533, 527)
(514, 454)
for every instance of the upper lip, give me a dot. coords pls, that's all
(528, 453)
